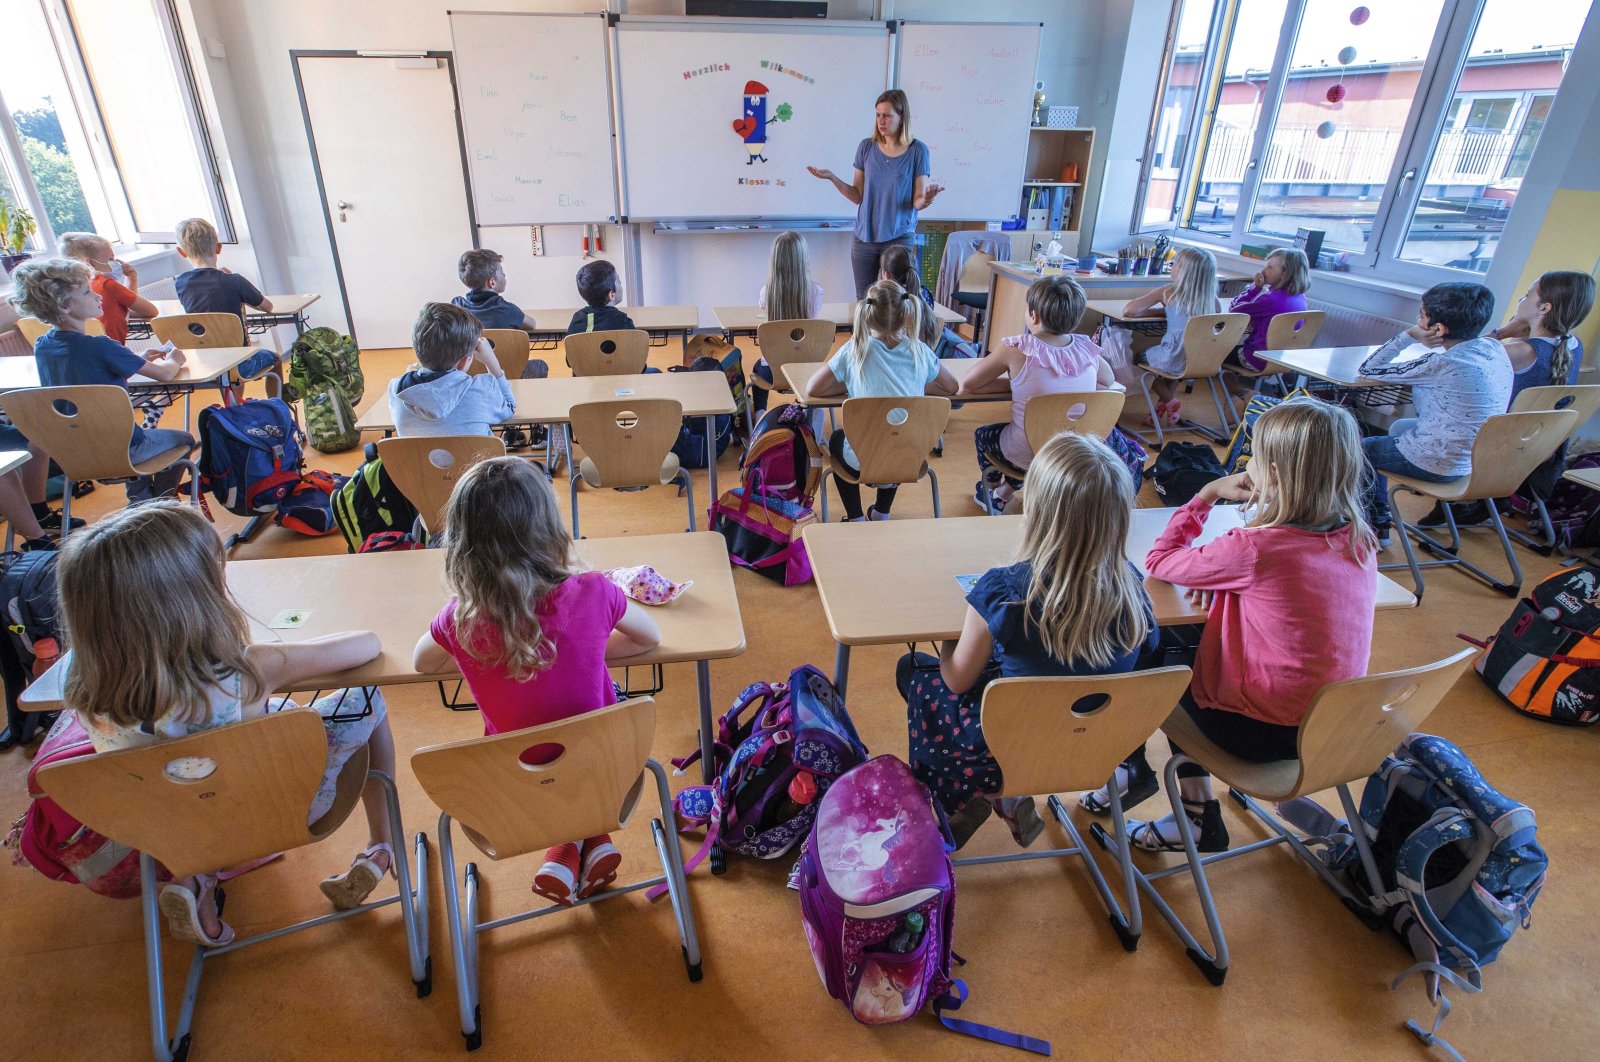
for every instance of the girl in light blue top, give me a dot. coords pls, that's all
(883, 359)
(890, 185)
(1192, 293)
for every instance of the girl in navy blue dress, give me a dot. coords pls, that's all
(1071, 605)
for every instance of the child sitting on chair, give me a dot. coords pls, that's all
(438, 397)
(1192, 293)
(206, 288)
(58, 291)
(115, 281)
(531, 632)
(601, 290)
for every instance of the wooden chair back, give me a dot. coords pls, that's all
(622, 352)
(892, 437)
(802, 340)
(627, 439)
(32, 328)
(425, 468)
(511, 346)
(253, 801)
(974, 275)
(1208, 339)
(199, 331)
(86, 428)
(1063, 735)
(1085, 412)
(1353, 725)
(509, 803)
(1509, 447)
(1295, 330)
(1582, 399)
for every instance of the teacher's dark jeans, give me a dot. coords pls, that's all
(865, 258)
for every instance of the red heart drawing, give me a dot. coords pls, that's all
(744, 126)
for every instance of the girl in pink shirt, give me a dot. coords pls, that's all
(1290, 600)
(530, 632)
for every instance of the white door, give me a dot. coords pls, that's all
(385, 142)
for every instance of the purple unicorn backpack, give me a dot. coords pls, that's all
(778, 749)
(877, 901)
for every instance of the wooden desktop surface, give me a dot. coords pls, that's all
(550, 401)
(396, 595)
(11, 460)
(649, 318)
(282, 306)
(199, 367)
(842, 314)
(895, 581)
(799, 373)
(1111, 310)
(1588, 477)
(1335, 365)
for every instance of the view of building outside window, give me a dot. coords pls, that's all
(1175, 114)
(1491, 126)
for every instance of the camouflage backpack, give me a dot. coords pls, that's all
(325, 372)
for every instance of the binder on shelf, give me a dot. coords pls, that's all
(1058, 197)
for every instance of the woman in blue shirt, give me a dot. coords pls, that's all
(889, 187)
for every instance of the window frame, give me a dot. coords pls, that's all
(1446, 60)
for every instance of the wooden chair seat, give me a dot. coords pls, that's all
(1266, 781)
(199, 331)
(627, 442)
(591, 472)
(1045, 415)
(425, 469)
(1208, 339)
(620, 352)
(892, 439)
(840, 472)
(32, 328)
(511, 350)
(161, 462)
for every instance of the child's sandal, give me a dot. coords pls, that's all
(348, 890)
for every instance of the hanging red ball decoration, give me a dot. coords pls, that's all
(1335, 93)
(1359, 15)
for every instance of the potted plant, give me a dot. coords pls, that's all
(16, 228)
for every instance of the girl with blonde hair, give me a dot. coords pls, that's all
(1289, 598)
(189, 665)
(1072, 604)
(788, 295)
(883, 359)
(1279, 287)
(531, 632)
(1192, 293)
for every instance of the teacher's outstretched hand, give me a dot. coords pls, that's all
(889, 186)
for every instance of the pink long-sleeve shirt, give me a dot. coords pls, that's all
(1292, 613)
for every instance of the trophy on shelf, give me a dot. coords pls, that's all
(1038, 103)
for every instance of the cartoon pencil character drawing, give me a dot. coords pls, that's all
(753, 126)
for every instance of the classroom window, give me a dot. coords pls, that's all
(1500, 97)
(105, 113)
(1341, 123)
(1174, 117)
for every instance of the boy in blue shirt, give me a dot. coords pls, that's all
(206, 288)
(484, 275)
(601, 288)
(57, 291)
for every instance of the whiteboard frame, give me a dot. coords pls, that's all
(898, 40)
(672, 23)
(607, 21)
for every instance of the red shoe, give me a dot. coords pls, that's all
(557, 880)
(1159, 418)
(600, 862)
(1173, 418)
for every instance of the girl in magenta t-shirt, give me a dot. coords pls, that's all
(530, 632)
(1280, 287)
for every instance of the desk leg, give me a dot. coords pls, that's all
(187, 394)
(841, 667)
(702, 682)
(300, 324)
(711, 459)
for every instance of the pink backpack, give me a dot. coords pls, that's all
(762, 518)
(877, 901)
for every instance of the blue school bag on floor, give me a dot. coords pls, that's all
(1460, 860)
(692, 448)
(250, 455)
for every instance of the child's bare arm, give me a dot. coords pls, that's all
(943, 384)
(284, 663)
(163, 365)
(824, 384)
(429, 657)
(962, 661)
(636, 632)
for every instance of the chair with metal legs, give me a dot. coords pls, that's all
(1065, 735)
(627, 445)
(1087, 413)
(892, 438)
(1207, 340)
(1582, 399)
(222, 798)
(1507, 449)
(586, 781)
(1350, 728)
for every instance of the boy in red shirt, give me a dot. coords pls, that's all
(115, 281)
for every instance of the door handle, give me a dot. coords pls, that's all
(342, 206)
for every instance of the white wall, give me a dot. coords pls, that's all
(281, 207)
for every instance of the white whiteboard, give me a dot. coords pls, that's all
(535, 95)
(970, 87)
(681, 89)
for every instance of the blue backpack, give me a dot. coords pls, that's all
(691, 446)
(250, 455)
(1460, 861)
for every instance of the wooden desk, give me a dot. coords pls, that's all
(660, 321)
(286, 309)
(1335, 365)
(896, 583)
(799, 373)
(550, 401)
(1111, 310)
(11, 460)
(396, 595)
(744, 320)
(200, 368)
(1587, 477)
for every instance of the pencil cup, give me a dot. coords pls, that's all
(1141, 267)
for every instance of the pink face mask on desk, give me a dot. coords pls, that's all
(646, 585)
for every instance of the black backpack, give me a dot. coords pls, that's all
(369, 503)
(691, 445)
(29, 604)
(1181, 469)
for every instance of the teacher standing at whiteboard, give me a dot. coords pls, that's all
(890, 185)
